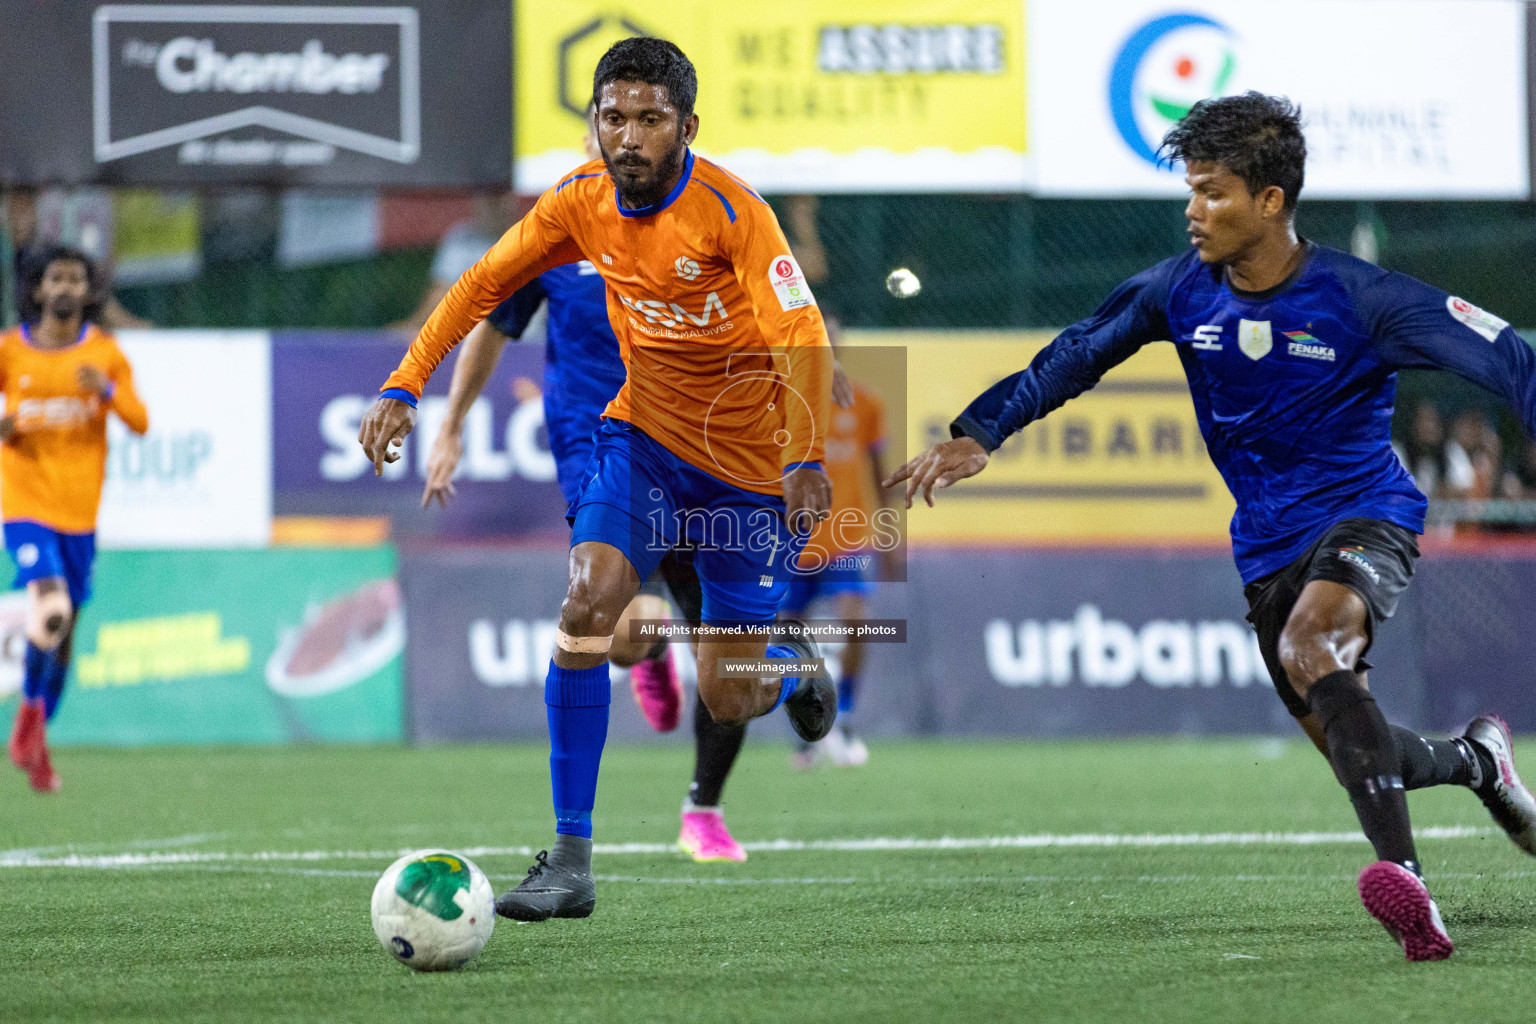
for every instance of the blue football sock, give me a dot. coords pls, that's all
(34, 684)
(790, 683)
(53, 683)
(576, 700)
(847, 693)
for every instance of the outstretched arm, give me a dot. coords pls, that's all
(1418, 326)
(538, 242)
(1132, 316)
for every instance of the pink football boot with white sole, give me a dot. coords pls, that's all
(1399, 899)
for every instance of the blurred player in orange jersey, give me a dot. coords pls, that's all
(61, 374)
(836, 564)
(713, 443)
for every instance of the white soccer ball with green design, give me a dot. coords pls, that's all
(433, 910)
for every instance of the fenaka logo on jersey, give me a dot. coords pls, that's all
(1481, 321)
(1254, 339)
(247, 85)
(1306, 346)
(789, 283)
(686, 268)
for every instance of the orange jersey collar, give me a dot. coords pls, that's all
(671, 197)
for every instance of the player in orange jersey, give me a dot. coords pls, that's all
(835, 566)
(60, 374)
(714, 441)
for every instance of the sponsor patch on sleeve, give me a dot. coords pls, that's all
(1481, 321)
(789, 283)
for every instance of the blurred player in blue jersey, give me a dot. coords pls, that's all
(1292, 351)
(582, 373)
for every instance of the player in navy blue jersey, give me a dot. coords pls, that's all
(1291, 351)
(582, 373)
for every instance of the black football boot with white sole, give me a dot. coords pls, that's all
(557, 887)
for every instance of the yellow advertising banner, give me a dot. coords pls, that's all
(799, 95)
(1123, 463)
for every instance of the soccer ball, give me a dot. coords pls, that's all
(433, 910)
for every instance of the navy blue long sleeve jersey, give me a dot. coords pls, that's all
(582, 366)
(1293, 387)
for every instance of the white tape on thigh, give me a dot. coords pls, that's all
(583, 644)
(53, 604)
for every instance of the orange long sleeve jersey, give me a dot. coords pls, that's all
(727, 356)
(53, 466)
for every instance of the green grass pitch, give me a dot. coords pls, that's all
(1217, 930)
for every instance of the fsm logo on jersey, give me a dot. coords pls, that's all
(1166, 66)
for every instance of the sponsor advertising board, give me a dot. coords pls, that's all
(216, 647)
(1034, 643)
(1401, 100)
(1124, 462)
(202, 475)
(482, 630)
(324, 383)
(828, 96)
(231, 647)
(336, 93)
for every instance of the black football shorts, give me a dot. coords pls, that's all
(1371, 557)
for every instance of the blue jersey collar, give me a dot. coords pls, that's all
(671, 197)
(1273, 290)
(26, 335)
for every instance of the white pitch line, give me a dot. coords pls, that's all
(30, 859)
(951, 880)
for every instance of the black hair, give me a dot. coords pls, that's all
(654, 62)
(1256, 137)
(34, 265)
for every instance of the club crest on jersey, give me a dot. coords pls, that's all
(1481, 321)
(1254, 338)
(686, 268)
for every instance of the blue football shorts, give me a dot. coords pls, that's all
(642, 499)
(40, 552)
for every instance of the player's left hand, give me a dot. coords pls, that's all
(383, 431)
(940, 466)
(92, 379)
(807, 499)
(446, 452)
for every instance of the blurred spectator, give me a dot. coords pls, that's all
(805, 237)
(1425, 452)
(23, 228)
(1463, 454)
(461, 247)
(1519, 480)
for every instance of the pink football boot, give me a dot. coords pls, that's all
(658, 691)
(1399, 899)
(705, 838)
